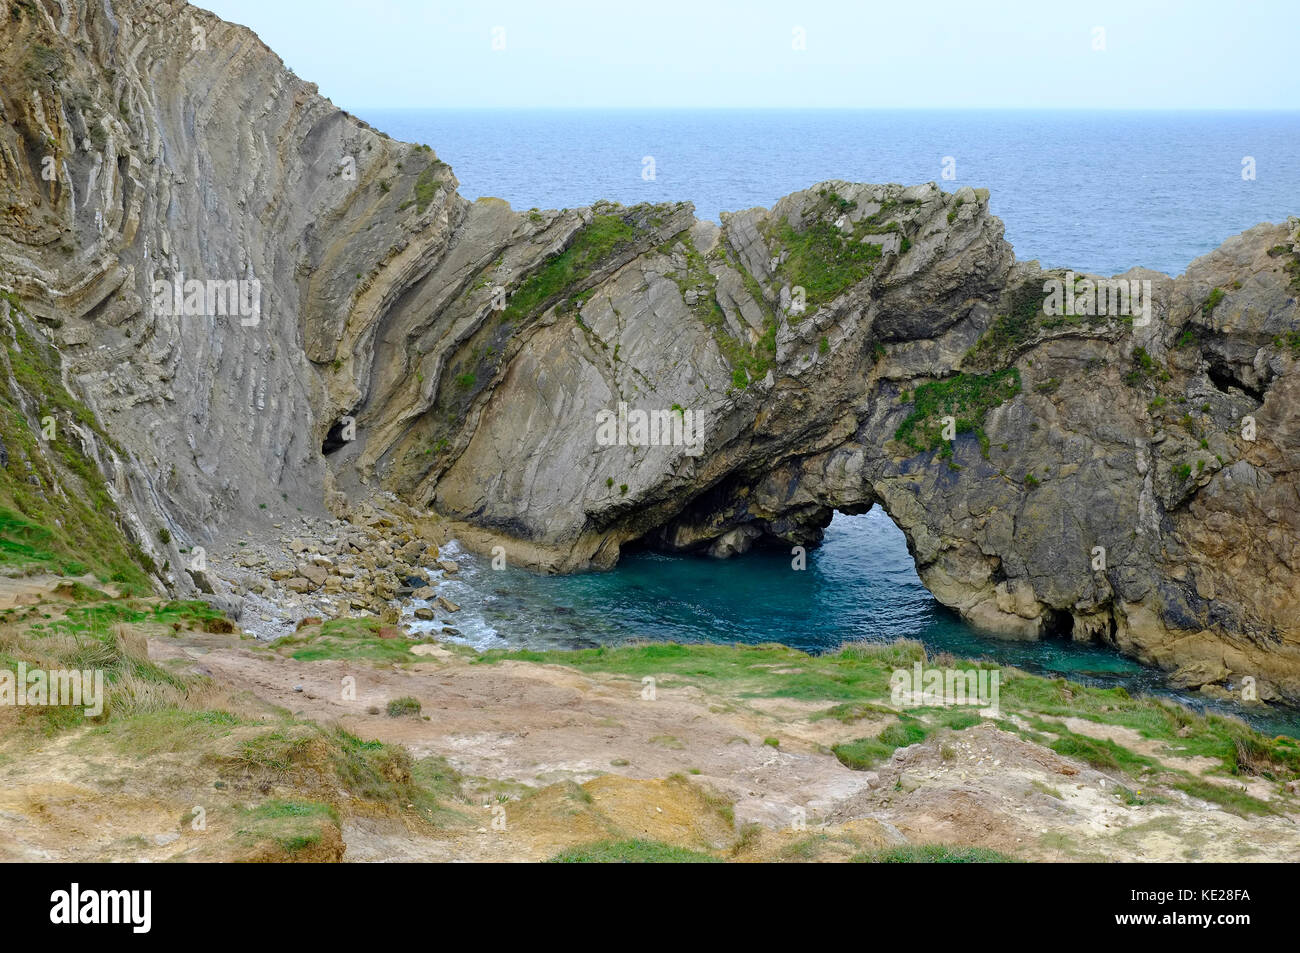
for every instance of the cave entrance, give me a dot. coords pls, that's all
(1058, 624)
(342, 432)
(1224, 378)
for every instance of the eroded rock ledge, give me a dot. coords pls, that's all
(472, 346)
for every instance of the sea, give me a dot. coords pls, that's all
(1094, 191)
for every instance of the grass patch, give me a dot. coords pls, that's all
(853, 711)
(866, 753)
(1101, 753)
(56, 514)
(933, 854)
(823, 260)
(635, 851)
(170, 731)
(346, 638)
(428, 183)
(591, 245)
(1212, 302)
(965, 397)
(1233, 800)
(766, 671)
(292, 826)
(1016, 324)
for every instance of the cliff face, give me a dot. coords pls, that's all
(1129, 481)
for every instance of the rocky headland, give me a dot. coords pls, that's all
(407, 352)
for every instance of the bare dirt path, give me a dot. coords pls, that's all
(520, 723)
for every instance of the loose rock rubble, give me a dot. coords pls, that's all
(369, 563)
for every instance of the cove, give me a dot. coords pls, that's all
(859, 585)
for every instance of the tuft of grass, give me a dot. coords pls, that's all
(866, 753)
(428, 183)
(404, 706)
(1046, 789)
(853, 711)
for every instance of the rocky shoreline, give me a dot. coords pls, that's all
(370, 565)
(1124, 481)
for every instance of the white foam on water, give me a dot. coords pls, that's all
(472, 628)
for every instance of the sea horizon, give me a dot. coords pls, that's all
(1199, 176)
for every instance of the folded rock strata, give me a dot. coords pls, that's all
(1134, 483)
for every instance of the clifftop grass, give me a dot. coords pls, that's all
(281, 784)
(826, 260)
(287, 782)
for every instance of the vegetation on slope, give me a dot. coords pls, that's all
(965, 397)
(277, 785)
(56, 514)
(826, 259)
(592, 245)
(749, 360)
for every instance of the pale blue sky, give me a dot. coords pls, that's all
(1199, 54)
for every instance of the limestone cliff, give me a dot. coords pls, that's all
(1130, 481)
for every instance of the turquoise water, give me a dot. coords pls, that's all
(860, 585)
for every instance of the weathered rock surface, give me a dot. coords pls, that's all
(458, 355)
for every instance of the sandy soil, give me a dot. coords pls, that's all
(520, 723)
